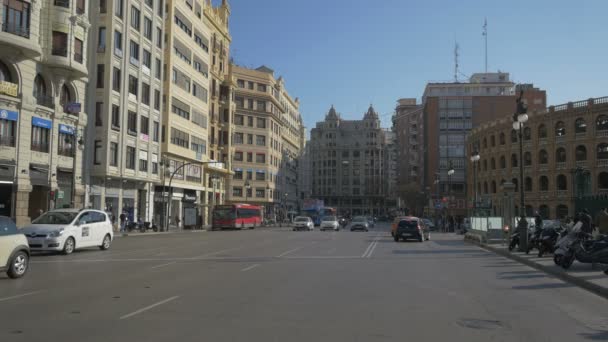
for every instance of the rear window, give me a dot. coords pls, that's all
(7, 227)
(301, 219)
(329, 218)
(408, 224)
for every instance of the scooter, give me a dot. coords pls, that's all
(534, 240)
(564, 253)
(515, 239)
(548, 239)
(593, 251)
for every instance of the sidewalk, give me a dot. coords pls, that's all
(582, 275)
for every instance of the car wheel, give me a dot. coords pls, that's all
(421, 238)
(69, 246)
(105, 244)
(428, 237)
(396, 238)
(18, 265)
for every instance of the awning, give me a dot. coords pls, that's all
(40, 122)
(10, 115)
(39, 174)
(7, 173)
(260, 171)
(65, 129)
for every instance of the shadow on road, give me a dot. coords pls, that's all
(441, 251)
(522, 276)
(542, 286)
(599, 335)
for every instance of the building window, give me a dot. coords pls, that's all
(62, 3)
(103, 6)
(250, 85)
(543, 183)
(145, 94)
(262, 87)
(155, 131)
(513, 136)
(156, 99)
(260, 176)
(101, 40)
(16, 17)
(183, 25)
(580, 126)
(601, 123)
(100, 75)
(260, 140)
(237, 191)
(581, 153)
(240, 102)
(115, 117)
(133, 85)
(560, 129)
(250, 157)
(118, 43)
(146, 58)
(180, 138)
(155, 168)
(134, 53)
(144, 125)
(240, 83)
(7, 132)
(543, 157)
(250, 139)
(135, 14)
(250, 106)
(60, 44)
(113, 154)
(560, 155)
(143, 164)
(238, 156)
(527, 134)
(179, 111)
(159, 38)
(40, 139)
(98, 114)
(148, 28)
(250, 175)
(259, 192)
(238, 138)
(116, 79)
(198, 145)
(118, 9)
(97, 152)
(542, 132)
(527, 159)
(261, 123)
(260, 158)
(157, 71)
(562, 183)
(250, 121)
(238, 120)
(132, 123)
(130, 158)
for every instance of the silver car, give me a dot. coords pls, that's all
(330, 223)
(303, 223)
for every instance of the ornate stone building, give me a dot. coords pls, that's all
(43, 79)
(565, 147)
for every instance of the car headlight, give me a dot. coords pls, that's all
(56, 233)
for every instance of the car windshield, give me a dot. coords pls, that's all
(329, 218)
(56, 217)
(301, 219)
(359, 219)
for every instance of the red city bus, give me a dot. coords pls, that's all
(237, 216)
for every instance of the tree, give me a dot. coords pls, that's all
(414, 198)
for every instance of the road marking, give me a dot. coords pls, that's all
(163, 265)
(289, 252)
(148, 307)
(19, 296)
(369, 255)
(250, 268)
(370, 249)
(218, 252)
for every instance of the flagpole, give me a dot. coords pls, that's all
(485, 34)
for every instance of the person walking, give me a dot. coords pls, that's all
(123, 222)
(602, 224)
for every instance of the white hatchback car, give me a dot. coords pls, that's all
(14, 252)
(330, 223)
(66, 230)
(303, 223)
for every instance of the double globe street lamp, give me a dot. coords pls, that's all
(519, 119)
(450, 174)
(475, 159)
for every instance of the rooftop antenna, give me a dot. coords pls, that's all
(485, 35)
(456, 47)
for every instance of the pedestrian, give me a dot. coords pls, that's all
(538, 221)
(177, 220)
(587, 226)
(40, 212)
(123, 222)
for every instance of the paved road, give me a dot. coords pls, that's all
(279, 285)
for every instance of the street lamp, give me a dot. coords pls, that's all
(285, 205)
(247, 187)
(519, 119)
(475, 159)
(450, 173)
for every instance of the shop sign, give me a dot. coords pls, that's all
(8, 88)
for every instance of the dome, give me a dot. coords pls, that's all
(371, 113)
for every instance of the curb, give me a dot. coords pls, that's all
(158, 233)
(558, 273)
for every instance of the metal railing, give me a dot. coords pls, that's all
(601, 134)
(581, 163)
(560, 165)
(602, 163)
(16, 29)
(7, 141)
(45, 100)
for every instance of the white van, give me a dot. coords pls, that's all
(65, 230)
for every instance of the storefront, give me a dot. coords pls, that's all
(39, 198)
(65, 182)
(190, 209)
(7, 176)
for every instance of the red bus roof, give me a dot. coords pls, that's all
(245, 206)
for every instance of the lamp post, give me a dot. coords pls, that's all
(247, 187)
(285, 205)
(267, 210)
(450, 173)
(475, 159)
(519, 119)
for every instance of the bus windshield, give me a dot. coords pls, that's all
(224, 214)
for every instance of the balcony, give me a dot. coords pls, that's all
(62, 3)
(601, 134)
(60, 51)
(581, 163)
(602, 163)
(18, 30)
(580, 136)
(560, 139)
(542, 141)
(560, 165)
(7, 141)
(46, 101)
(562, 193)
(543, 194)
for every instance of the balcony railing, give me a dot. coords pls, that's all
(601, 134)
(580, 136)
(40, 147)
(60, 51)
(562, 193)
(602, 163)
(78, 57)
(16, 29)
(542, 141)
(7, 141)
(62, 3)
(66, 151)
(44, 100)
(581, 163)
(560, 165)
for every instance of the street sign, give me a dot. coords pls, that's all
(60, 194)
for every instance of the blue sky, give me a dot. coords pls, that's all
(353, 52)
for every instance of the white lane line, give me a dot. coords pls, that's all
(250, 268)
(19, 296)
(148, 307)
(371, 247)
(322, 257)
(163, 265)
(371, 251)
(218, 252)
(288, 252)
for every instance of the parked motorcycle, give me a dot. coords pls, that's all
(534, 240)
(548, 240)
(142, 227)
(515, 239)
(564, 254)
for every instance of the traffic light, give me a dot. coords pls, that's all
(52, 195)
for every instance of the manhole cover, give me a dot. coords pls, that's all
(480, 324)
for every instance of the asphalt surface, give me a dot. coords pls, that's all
(279, 285)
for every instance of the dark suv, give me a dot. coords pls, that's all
(411, 228)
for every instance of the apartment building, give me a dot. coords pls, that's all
(123, 140)
(268, 138)
(408, 127)
(450, 111)
(350, 164)
(43, 80)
